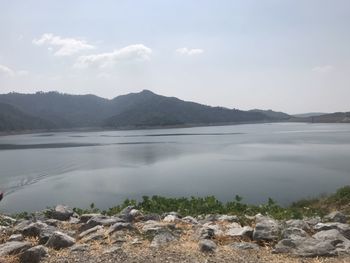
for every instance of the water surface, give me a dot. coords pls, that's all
(285, 161)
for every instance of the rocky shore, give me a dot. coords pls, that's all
(61, 235)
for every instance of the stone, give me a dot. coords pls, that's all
(16, 237)
(170, 219)
(162, 238)
(333, 236)
(89, 231)
(60, 240)
(336, 216)
(99, 235)
(287, 245)
(344, 229)
(100, 221)
(126, 214)
(245, 246)
(190, 220)
(33, 255)
(314, 248)
(297, 223)
(40, 230)
(21, 225)
(62, 212)
(151, 217)
(266, 229)
(228, 218)
(13, 248)
(153, 227)
(292, 232)
(239, 231)
(85, 217)
(207, 245)
(52, 222)
(79, 248)
(119, 226)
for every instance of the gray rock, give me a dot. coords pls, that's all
(239, 231)
(297, 223)
(16, 237)
(119, 226)
(60, 240)
(52, 222)
(162, 238)
(79, 248)
(207, 245)
(99, 235)
(287, 245)
(313, 221)
(205, 232)
(151, 217)
(336, 216)
(40, 230)
(314, 248)
(292, 232)
(89, 231)
(21, 225)
(62, 212)
(266, 229)
(228, 218)
(74, 220)
(153, 227)
(335, 238)
(100, 221)
(245, 246)
(170, 219)
(126, 214)
(33, 255)
(13, 248)
(85, 217)
(344, 229)
(190, 220)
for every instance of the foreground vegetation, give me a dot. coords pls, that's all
(210, 205)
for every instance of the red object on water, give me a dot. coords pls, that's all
(1, 196)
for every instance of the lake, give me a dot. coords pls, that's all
(284, 161)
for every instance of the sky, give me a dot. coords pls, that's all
(285, 55)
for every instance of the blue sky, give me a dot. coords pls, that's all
(286, 55)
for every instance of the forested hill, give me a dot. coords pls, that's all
(53, 110)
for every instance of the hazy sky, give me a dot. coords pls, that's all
(292, 56)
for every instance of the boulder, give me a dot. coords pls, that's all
(266, 229)
(297, 223)
(207, 245)
(100, 220)
(13, 248)
(315, 248)
(33, 255)
(89, 231)
(170, 219)
(238, 231)
(344, 229)
(119, 226)
(153, 227)
(127, 214)
(336, 216)
(98, 235)
(79, 248)
(228, 218)
(60, 240)
(293, 232)
(190, 220)
(16, 237)
(162, 238)
(62, 212)
(85, 217)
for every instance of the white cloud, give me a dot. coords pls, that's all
(6, 71)
(189, 51)
(323, 69)
(64, 46)
(22, 73)
(128, 53)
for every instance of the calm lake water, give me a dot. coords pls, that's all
(285, 161)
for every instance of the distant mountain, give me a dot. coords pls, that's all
(309, 114)
(275, 115)
(12, 119)
(143, 109)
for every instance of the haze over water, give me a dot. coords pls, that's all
(284, 161)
